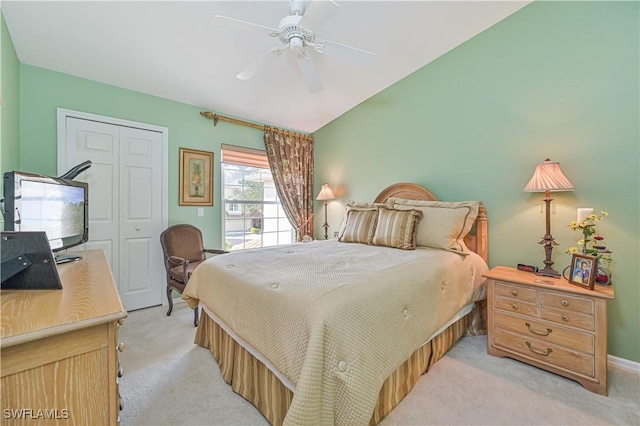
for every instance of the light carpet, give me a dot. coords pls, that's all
(170, 381)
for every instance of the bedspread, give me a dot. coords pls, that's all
(334, 318)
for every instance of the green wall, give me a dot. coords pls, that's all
(10, 108)
(556, 79)
(43, 91)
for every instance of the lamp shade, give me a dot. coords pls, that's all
(548, 177)
(326, 193)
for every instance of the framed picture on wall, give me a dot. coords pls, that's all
(583, 271)
(196, 178)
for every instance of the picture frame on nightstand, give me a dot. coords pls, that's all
(584, 270)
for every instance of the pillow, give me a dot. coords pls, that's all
(357, 205)
(444, 224)
(397, 228)
(359, 226)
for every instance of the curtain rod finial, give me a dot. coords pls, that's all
(210, 116)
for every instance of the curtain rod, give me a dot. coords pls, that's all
(217, 117)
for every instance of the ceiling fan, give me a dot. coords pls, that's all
(295, 31)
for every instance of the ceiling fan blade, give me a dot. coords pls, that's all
(310, 74)
(244, 25)
(261, 62)
(341, 51)
(318, 13)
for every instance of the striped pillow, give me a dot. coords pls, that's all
(359, 227)
(397, 228)
(357, 205)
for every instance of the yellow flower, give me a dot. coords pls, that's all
(571, 250)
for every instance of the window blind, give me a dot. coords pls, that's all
(244, 156)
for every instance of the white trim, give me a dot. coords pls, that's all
(62, 115)
(625, 364)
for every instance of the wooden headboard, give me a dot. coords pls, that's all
(476, 240)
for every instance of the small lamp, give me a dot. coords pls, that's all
(548, 178)
(325, 195)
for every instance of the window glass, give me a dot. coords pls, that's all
(253, 214)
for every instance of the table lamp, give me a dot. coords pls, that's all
(547, 178)
(325, 195)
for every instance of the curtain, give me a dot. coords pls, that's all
(291, 161)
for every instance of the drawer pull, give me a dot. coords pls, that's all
(538, 351)
(121, 403)
(565, 318)
(120, 371)
(120, 322)
(120, 347)
(514, 292)
(515, 306)
(539, 333)
(564, 302)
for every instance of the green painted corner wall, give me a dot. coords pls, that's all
(43, 91)
(10, 108)
(556, 79)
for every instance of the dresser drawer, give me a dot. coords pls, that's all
(572, 319)
(527, 327)
(565, 302)
(524, 308)
(546, 352)
(520, 293)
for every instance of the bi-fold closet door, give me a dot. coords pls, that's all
(125, 202)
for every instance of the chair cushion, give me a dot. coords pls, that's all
(177, 272)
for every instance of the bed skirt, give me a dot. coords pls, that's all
(251, 379)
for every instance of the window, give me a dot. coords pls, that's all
(253, 214)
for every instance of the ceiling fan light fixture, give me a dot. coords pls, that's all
(296, 43)
(296, 31)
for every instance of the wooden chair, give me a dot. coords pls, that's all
(183, 251)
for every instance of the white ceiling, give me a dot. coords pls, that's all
(177, 50)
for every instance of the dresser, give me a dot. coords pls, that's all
(549, 323)
(59, 349)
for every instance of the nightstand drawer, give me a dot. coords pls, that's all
(524, 308)
(583, 342)
(565, 302)
(520, 293)
(572, 319)
(547, 352)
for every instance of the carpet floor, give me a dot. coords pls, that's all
(170, 381)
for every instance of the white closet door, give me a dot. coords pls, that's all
(100, 143)
(125, 203)
(141, 267)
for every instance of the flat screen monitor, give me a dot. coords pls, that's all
(59, 207)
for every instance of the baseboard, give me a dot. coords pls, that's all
(626, 364)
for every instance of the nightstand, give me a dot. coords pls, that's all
(549, 323)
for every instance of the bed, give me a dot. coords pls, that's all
(329, 332)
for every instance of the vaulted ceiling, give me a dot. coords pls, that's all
(179, 51)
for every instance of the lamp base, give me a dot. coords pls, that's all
(549, 272)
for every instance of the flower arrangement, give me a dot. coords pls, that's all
(591, 242)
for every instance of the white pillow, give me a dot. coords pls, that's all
(444, 224)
